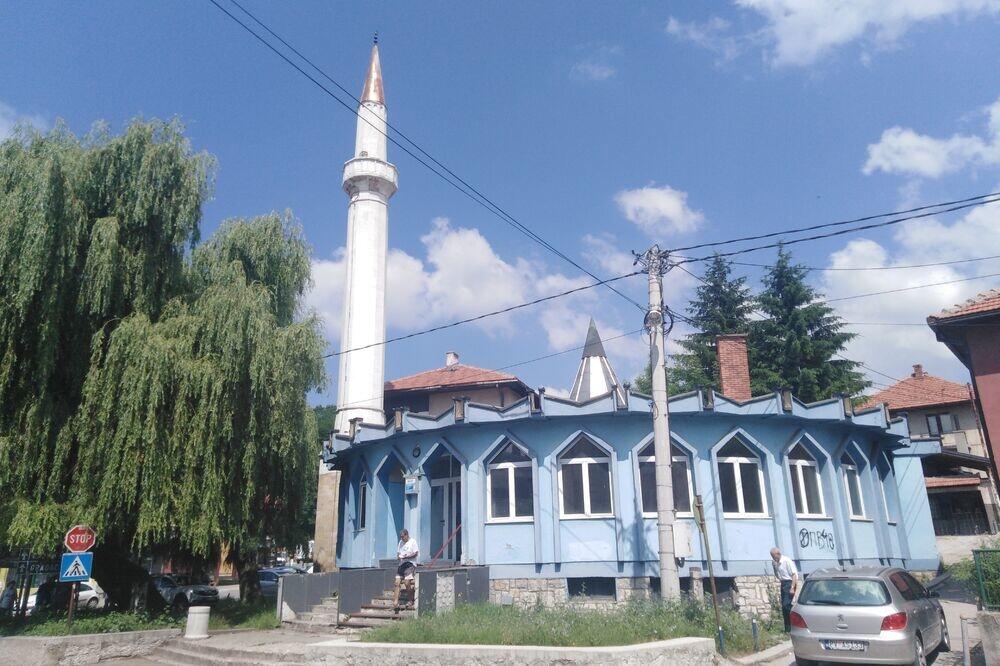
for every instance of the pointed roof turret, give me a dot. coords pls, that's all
(373, 80)
(595, 377)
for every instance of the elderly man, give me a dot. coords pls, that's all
(788, 577)
(406, 553)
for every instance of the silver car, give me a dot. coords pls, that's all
(866, 615)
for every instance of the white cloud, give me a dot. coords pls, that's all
(591, 70)
(659, 211)
(800, 32)
(893, 349)
(904, 151)
(10, 118)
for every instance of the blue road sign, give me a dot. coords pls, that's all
(75, 567)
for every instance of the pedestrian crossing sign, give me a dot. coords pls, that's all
(75, 567)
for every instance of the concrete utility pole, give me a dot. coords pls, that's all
(655, 262)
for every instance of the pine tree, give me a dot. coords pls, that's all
(722, 304)
(797, 345)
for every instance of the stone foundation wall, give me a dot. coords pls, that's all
(754, 594)
(552, 592)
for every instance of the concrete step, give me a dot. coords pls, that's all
(380, 602)
(325, 608)
(386, 613)
(362, 622)
(195, 654)
(319, 618)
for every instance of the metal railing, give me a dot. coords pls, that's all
(987, 562)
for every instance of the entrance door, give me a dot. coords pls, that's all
(446, 515)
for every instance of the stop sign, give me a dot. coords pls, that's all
(80, 539)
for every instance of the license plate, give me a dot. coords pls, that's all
(845, 646)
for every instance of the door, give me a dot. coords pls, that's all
(446, 510)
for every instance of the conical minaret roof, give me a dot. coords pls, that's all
(373, 91)
(595, 377)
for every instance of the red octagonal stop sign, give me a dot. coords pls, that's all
(80, 539)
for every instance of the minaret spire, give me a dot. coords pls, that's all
(369, 181)
(595, 377)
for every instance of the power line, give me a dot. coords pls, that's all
(836, 224)
(841, 232)
(873, 268)
(919, 286)
(468, 190)
(442, 327)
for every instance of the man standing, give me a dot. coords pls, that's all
(406, 553)
(788, 577)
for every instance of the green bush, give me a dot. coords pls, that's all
(637, 622)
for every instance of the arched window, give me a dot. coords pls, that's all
(852, 482)
(509, 486)
(585, 481)
(807, 489)
(362, 514)
(680, 472)
(741, 478)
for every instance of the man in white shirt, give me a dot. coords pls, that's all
(788, 577)
(406, 553)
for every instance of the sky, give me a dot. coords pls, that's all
(603, 128)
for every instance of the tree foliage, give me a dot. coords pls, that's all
(797, 344)
(151, 387)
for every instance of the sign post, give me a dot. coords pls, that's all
(76, 564)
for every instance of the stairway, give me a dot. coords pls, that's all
(376, 613)
(322, 618)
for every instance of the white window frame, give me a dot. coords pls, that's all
(844, 468)
(939, 419)
(795, 466)
(361, 517)
(686, 459)
(511, 489)
(738, 476)
(585, 463)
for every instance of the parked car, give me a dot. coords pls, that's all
(269, 578)
(867, 615)
(179, 595)
(90, 595)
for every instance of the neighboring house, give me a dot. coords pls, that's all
(960, 487)
(557, 495)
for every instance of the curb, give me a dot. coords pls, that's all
(764, 656)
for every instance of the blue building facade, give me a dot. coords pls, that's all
(557, 496)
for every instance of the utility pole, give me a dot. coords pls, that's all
(656, 263)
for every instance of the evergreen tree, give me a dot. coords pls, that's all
(796, 345)
(722, 304)
(155, 392)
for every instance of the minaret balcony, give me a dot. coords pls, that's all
(368, 174)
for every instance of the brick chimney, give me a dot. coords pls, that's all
(734, 366)
(918, 371)
(450, 359)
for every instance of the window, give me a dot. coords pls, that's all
(941, 423)
(844, 592)
(585, 481)
(509, 486)
(806, 486)
(680, 472)
(852, 482)
(593, 588)
(908, 586)
(362, 517)
(884, 473)
(741, 478)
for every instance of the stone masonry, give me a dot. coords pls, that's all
(552, 592)
(754, 594)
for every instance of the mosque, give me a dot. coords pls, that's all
(556, 495)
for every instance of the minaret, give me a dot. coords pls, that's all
(595, 376)
(369, 181)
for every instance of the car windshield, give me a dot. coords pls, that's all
(844, 592)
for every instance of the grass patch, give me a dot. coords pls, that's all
(637, 622)
(964, 571)
(227, 614)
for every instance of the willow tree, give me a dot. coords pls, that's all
(151, 387)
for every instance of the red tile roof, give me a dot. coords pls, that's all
(920, 390)
(455, 375)
(988, 301)
(950, 481)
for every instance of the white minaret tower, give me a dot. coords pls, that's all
(369, 181)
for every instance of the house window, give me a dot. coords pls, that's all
(680, 472)
(806, 485)
(741, 478)
(509, 486)
(884, 473)
(592, 588)
(852, 482)
(362, 520)
(938, 424)
(585, 481)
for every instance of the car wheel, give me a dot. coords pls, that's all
(92, 603)
(180, 604)
(919, 658)
(945, 644)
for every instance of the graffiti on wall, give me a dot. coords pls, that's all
(816, 539)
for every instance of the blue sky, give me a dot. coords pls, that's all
(602, 127)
